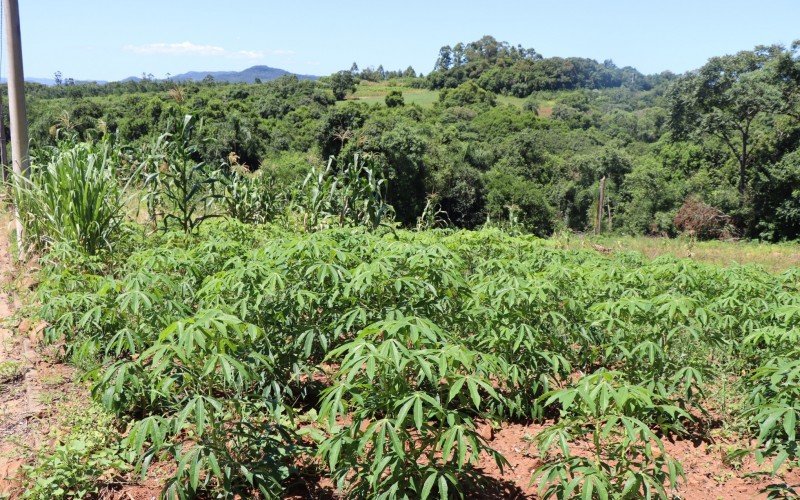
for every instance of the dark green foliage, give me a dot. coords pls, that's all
(394, 99)
(502, 68)
(679, 135)
(466, 94)
(341, 84)
(778, 203)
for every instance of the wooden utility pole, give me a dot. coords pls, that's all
(3, 139)
(16, 104)
(598, 223)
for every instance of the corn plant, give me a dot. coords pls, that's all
(250, 197)
(353, 196)
(180, 187)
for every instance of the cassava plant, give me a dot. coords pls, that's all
(412, 402)
(626, 459)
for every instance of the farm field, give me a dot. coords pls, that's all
(375, 93)
(252, 358)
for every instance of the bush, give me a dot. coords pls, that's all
(395, 99)
(466, 94)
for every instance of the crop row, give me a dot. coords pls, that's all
(245, 353)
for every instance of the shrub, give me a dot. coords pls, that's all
(394, 99)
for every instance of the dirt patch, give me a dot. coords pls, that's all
(709, 474)
(36, 381)
(545, 111)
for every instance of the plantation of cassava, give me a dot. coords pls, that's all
(515, 277)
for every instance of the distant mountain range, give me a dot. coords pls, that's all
(249, 75)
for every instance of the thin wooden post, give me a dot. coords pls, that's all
(598, 223)
(3, 139)
(16, 105)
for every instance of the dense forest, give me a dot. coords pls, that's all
(713, 152)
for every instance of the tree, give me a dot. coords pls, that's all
(788, 80)
(724, 99)
(445, 60)
(394, 99)
(354, 69)
(58, 77)
(341, 83)
(409, 72)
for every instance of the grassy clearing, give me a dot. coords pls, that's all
(375, 92)
(771, 256)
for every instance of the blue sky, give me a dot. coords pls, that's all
(113, 39)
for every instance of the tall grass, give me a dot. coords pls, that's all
(75, 197)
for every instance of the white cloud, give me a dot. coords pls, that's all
(194, 49)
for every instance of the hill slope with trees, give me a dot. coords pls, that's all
(713, 152)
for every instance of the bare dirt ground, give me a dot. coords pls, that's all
(708, 476)
(29, 383)
(32, 383)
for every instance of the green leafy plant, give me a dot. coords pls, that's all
(404, 343)
(419, 399)
(775, 408)
(82, 461)
(180, 186)
(75, 197)
(247, 196)
(353, 196)
(626, 458)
